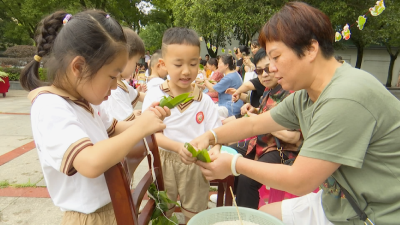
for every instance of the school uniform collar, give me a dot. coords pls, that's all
(196, 93)
(122, 85)
(63, 94)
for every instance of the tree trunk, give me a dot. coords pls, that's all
(360, 54)
(393, 58)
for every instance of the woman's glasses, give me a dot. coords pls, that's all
(260, 71)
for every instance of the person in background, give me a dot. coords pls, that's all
(121, 103)
(255, 85)
(157, 71)
(207, 57)
(147, 57)
(215, 77)
(255, 46)
(231, 79)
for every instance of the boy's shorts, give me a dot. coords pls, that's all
(304, 210)
(103, 216)
(187, 181)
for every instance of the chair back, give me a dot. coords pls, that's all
(126, 202)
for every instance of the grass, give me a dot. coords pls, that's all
(4, 184)
(27, 184)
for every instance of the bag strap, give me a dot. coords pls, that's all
(361, 214)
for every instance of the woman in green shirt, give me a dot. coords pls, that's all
(349, 121)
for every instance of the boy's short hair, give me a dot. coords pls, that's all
(154, 59)
(135, 43)
(180, 36)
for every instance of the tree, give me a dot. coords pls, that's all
(389, 34)
(152, 36)
(342, 12)
(250, 17)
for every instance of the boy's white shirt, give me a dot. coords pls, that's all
(62, 126)
(187, 121)
(121, 101)
(154, 82)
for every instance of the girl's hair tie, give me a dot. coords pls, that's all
(67, 18)
(37, 58)
(107, 16)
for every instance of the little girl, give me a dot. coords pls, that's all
(76, 142)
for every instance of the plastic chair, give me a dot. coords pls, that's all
(126, 203)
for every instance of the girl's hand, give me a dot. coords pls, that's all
(219, 168)
(160, 112)
(150, 122)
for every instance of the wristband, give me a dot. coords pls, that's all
(233, 164)
(215, 136)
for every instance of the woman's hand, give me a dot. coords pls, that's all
(202, 141)
(247, 108)
(230, 91)
(219, 168)
(236, 96)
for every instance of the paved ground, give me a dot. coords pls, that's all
(23, 196)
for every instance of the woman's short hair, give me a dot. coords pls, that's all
(296, 25)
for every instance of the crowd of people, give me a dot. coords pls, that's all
(299, 120)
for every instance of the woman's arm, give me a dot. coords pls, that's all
(239, 130)
(291, 137)
(209, 85)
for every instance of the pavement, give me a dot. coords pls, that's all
(24, 198)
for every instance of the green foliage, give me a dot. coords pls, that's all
(162, 200)
(2, 75)
(43, 74)
(14, 73)
(20, 51)
(152, 36)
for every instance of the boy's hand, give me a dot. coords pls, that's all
(186, 156)
(160, 112)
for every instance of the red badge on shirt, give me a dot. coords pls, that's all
(199, 117)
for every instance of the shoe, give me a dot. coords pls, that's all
(213, 198)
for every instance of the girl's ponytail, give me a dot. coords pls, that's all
(47, 33)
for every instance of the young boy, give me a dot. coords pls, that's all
(158, 72)
(180, 57)
(122, 100)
